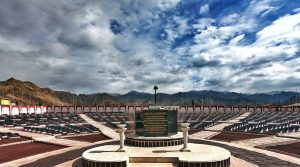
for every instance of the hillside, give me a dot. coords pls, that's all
(27, 93)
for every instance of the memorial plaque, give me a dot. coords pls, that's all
(139, 125)
(155, 123)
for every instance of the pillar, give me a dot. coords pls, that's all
(121, 129)
(185, 128)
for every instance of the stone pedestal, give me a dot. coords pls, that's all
(185, 128)
(121, 129)
(200, 156)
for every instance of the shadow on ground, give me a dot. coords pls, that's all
(63, 157)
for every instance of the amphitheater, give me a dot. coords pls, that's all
(35, 136)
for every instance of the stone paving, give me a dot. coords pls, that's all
(291, 134)
(250, 156)
(70, 157)
(264, 141)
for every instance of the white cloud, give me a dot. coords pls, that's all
(265, 56)
(235, 40)
(286, 28)
(74, 48)
(297, 10)
(167, 4)
(204, 9)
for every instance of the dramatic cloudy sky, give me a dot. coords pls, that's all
(116, 46)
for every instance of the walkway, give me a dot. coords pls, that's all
(213, 130)
(254, 157)
(221, 126)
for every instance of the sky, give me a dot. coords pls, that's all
(117, 46)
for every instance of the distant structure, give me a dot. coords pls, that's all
(5, 102)
(155, 88)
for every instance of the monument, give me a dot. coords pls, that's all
(155, 128)
(157, 131)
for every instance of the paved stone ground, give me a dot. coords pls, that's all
(264, 141)
(247, 155)
(250, 156)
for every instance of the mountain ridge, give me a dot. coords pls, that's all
(28, 93)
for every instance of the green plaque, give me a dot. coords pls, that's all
(155, 123)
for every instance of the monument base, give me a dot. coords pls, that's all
(200, 155)
(141, 141)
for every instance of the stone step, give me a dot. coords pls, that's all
(204, 134)
(153, 165)
(218, 126)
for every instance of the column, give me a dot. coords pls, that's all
(185, 128)
(121, 129)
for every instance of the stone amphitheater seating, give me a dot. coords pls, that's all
(198, 120)
(8, 135)
(49, 123)
(40, 119)
(268, 122)
(62, 129)
(202, 120)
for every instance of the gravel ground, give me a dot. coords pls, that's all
(292, 149)
(13, 152)
(89, 138)
(13, 140)
(228, 137)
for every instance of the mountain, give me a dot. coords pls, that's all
(28, 93)
(292, 100)
(209, 97)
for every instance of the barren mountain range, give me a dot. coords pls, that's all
(27, 93)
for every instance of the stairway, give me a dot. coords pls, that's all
(104, 129)
(237, 119)
(212, 131)
(221, 126)
(64, 142)
(204, 134)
